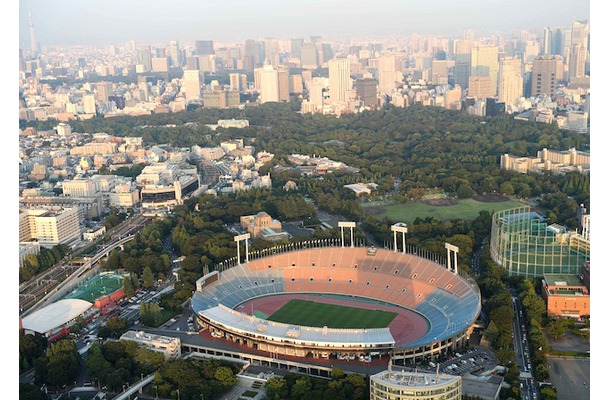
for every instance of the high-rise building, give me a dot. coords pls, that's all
(480, 87)
(532, 50)
(283, 82)
(272, 51)
(309, 56)
(51, 226)
(580, 34)
(160, 64)
(295, 48)
(296, 84)
(145, 57)
(252, 55)
(234, 82)
(577, 60)
(547, 41)
(557, 42)
(33, 43)
(103, 90)
(143, 88)
(174, 53)
(192, 63)
(463, 49)
(191, 81)
(546, 72)
(510, 85)
(316, 92)
(269, 83)
(440, 72)
(89, 103)
(204, 47)
(338, 79)
(388, 74)
(484, 62)
(366, 88)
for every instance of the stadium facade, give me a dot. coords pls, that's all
(417, 283)
(526, 246)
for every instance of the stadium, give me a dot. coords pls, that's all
(322, 300)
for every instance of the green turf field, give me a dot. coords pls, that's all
(464, 209)
(96, 287)
(310, 313)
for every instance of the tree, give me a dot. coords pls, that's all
(507, 188)
(556, 328)
(336, 373)
(128, 287)
(300, 387)
(277, 388)
(225, 376)
(541, 372)
(148, 279)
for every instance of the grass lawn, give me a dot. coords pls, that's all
(310, 313)
(249, 393)
(464, 209)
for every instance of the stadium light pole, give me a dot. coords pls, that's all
(347, 224)
(451, 248)
(402, 228)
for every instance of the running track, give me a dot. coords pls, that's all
(406, 327)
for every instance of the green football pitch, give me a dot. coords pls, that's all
(310, 313)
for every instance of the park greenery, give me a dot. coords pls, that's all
(60, 366)
(35, 264)
(302, 387)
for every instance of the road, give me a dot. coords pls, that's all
(476, 259)
(529, 390)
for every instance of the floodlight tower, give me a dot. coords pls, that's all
(351, 226)
(238, 239)
(455, 250)
(400, 227)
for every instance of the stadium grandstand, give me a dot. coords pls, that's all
(430, 308)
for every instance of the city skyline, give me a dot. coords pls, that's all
(67, 22)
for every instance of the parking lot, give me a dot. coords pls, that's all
(471, 361)
(570, 376)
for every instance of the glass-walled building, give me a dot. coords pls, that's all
(526, 246)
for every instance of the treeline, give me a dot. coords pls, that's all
(303, 387)
(34, 264)
(144, 250)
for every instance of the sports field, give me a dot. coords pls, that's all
(310, 313)
(97, 286)
(441, 209)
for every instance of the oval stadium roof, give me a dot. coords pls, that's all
(55, 315)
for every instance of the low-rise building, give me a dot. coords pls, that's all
(168, 346)
(565, 296)
(262, 226)
(404, 385)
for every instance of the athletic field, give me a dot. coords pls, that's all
(310, 313)
(441, 209)
(97, 286)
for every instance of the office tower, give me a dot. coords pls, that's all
(204, 47)
(33, 43)
(338, 79)
(547, 41)
(160, 64)
(103, 90)
(243, 81)
(272, 51)
(295, 48)
(315, 39)
(207, 63)
(145, 57)
(234, 82)
(532, 50)
(191, 81)
(580, 34)
(309, 56)
(327, 52)
(252, 51)
(192, 63)
(269, 83)
(283, 83)
(510, 86)
(461, 73)
(546, 72)
(89, 103)
(316, 92)
(296, 84)
(480, 87)
(388, 74)
(440, 72)
(557, 42)
(366, 88)
(143, 88)
(484, 62)
(175, 55)
(577, 59)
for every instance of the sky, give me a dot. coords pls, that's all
(97, 22)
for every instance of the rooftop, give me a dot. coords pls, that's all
(563, 280)
(414, 379)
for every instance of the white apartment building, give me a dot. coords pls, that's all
(169, 346)
(50, 226)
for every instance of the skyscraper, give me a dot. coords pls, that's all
(192, 84)
(295, 48)
(145, 57)
(309, 55)
(204, 47)
(103, 90)
(480, 87)
(283, 83)
(33, 43)
(269, 83)
(388, 74)
(557, 42)
(510, 87)
(272, 51)
(440, 72)
(547, 41)
(338, 78)
(461, 72)
(366, 88)
(175, 56)
(484, 62)
(546, 72)
(580, 33)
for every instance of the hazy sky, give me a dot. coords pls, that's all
(115, 22)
